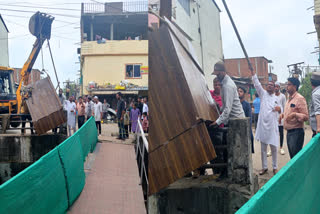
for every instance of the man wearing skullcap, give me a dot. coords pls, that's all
(295, 114)
(315, 103)
(282, 101)
(231, 107)
(97, 113)
(267, 131)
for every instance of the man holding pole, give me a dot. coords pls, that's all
(267, 129)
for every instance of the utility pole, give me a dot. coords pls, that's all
(296, 70)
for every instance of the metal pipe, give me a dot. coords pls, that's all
(238, 35)
(54, 67)
(200, 32)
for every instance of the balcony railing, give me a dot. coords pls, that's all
(115, 7)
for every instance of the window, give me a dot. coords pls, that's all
(133, 71)
(186, 5)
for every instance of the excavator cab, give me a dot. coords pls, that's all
(7, 91)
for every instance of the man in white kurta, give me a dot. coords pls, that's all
(97, 113)
(71, 110)
(267, 131)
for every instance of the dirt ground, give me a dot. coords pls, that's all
(109, 133)
(282, 159)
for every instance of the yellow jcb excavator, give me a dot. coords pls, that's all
(12, 104)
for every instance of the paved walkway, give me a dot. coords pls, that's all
(112, 180)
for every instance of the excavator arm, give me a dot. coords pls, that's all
(40, 27)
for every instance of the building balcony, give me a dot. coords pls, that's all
(114, 7)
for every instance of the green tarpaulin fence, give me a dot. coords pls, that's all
(294, 189)
(53, 183)
(71, 157)
(41, 188)
(87, 134)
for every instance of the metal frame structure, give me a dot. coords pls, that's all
(142, 158)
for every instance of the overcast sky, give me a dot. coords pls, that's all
(275, 29)
(65, 38)
(271, 28)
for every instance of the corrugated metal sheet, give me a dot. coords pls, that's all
(45, 107)
(179, 103)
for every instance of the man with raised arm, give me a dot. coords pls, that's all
(267, 129)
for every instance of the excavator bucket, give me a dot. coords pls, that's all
(40, 25)
(44, 106)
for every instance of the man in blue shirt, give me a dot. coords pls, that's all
(256, 106)
(247, 110)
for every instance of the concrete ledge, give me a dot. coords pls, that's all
(202, 195)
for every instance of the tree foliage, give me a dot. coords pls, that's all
(306, 89)
(72, 88)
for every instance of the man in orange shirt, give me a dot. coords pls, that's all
(295, 114)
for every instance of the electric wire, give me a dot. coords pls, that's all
(51, 8)
(28, 17)
(28, 11)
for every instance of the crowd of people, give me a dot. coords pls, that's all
(129, 114)
(270, 112)
(80, 110)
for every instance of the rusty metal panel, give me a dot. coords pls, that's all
(179, 103)
(45, 107)
(178, 157)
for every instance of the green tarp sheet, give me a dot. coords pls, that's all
(40, 188)
(295, 189)
(53, 183)
(88, 136)
(70, 152)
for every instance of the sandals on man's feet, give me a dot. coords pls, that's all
(263, 171)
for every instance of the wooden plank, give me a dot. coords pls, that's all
(169, 95)
(178, 92)
(179, 102)
(178, 157)
(199, 90)
(45, 107)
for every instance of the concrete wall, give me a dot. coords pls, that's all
(207, 17)
(19, 152)
(106, 63)
(207, 194)
(316, 7)
(4, 54)
(199, 196)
